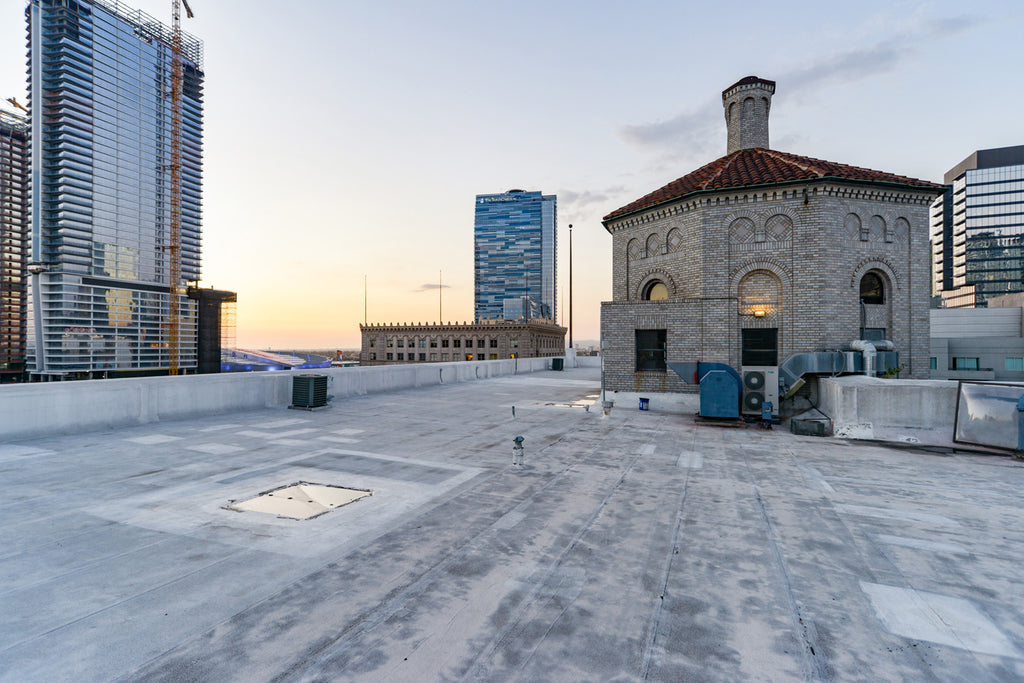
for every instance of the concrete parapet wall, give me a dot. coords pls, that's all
(34, 410)
(870, 407)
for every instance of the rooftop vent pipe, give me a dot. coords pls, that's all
(869, 351)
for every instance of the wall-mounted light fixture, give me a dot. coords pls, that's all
(759, 313)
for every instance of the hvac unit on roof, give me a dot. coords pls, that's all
(760, 385)
(309, 391)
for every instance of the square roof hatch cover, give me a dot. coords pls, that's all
(301, 500)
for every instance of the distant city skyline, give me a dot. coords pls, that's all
(346, 147)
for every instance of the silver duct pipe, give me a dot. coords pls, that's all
(869, 351)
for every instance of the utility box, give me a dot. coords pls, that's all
(309, 391)
(557, 363)
(720, 394)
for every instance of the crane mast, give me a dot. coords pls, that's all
(174, 291)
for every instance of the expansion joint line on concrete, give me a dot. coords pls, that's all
(655, 623)
(818, 669)
(476, 671)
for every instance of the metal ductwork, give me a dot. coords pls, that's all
(869, 352)
(832, 363)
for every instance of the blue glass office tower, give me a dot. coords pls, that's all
(100, 84)
(977, 229)
(514, 244)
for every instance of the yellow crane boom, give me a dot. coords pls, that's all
(175, 290)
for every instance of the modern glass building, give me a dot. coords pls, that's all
(515, 245)
(13, 235)
(100, 84)
(977, 229)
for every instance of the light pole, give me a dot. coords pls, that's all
(570, 285)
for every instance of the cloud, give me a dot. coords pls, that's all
(581, 200)
(698, 130)
(692, 129)
(950, 26)
(579, 207)
(848, 65)
(431, 286)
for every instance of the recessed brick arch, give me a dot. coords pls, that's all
(761, 263)
(880, 264)
(742, 230)
(634, 251)
(653, 245)
(655, 275)
(674, 240)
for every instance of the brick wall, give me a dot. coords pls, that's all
(797, 253)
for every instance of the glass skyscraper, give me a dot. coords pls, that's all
(13, 233)
(515, 243)
(100, 84)
(977, 229)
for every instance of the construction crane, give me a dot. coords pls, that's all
(17, 104)
(177, 81)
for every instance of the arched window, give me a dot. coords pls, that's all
(872, 289)
(655, 291)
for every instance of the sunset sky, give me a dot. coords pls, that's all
(346, 140)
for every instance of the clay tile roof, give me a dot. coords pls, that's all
(755, 167)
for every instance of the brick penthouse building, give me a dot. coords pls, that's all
(762, 254)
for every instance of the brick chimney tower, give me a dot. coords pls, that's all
(747, 103)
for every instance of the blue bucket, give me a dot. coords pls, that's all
(643, 403)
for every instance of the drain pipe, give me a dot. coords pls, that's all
(869, 352)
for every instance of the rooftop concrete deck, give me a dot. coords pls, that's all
(641, 545)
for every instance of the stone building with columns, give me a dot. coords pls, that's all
(762, 254)
(488, 339)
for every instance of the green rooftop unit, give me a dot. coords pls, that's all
(309, 391)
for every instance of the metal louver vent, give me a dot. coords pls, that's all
(309, 391)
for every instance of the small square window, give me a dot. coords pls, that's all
(423, 356)
(391, 343)
(480, 343)
(1015, 364)
(444, 343)
(433, 356)
(494, 343)
(444, 356)
(469, 356)
(513, 343)
(401, 343)
(373, 356)
(494, 356)
(401, 356)
(433, 343)
(390, 356)
(373, 343)
(423, 343)
(458, 343)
